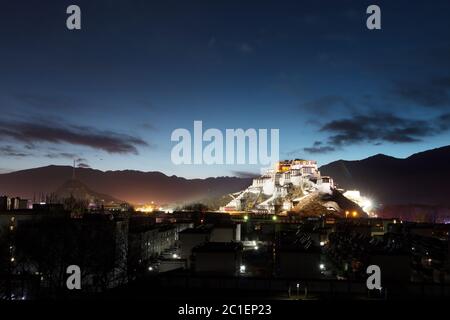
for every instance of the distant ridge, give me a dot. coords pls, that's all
(422, 178)
(127, 185)
(78, 190)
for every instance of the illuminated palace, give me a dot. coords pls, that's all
(281, 186)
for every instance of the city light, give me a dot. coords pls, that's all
(145, 208)
(274, 218)
(321, 266)
(246, 218)
(150, 268)
(175, 256)
(367, 205)
(322, 243)
(242, 268)
(354, 214)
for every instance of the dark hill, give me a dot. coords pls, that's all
(127, 185)
(422, 178)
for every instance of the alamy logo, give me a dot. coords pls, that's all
(74, 279)
(374, 20)
(374, 280)
(241, 146)
(73, 21)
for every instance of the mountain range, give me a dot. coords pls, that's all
(127, 185)
(422, 178)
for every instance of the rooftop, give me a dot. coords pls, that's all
(218, 247)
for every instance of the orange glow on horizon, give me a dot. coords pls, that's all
(148, 208)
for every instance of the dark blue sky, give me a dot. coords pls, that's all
(112, 93)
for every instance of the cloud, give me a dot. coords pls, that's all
(55, 155)
(318, 147)
(378, 128)
(10, 151)
(34, 132)
(435, 93)
(83, 165)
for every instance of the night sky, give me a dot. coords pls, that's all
(110, 94)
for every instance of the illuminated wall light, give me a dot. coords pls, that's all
(242, 268)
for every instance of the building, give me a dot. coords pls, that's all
(5, 203)
(192, 237)
(268, 193)
(297, 256)
(298, 262)
(226, 232)
(218, 258)
(395, 266)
